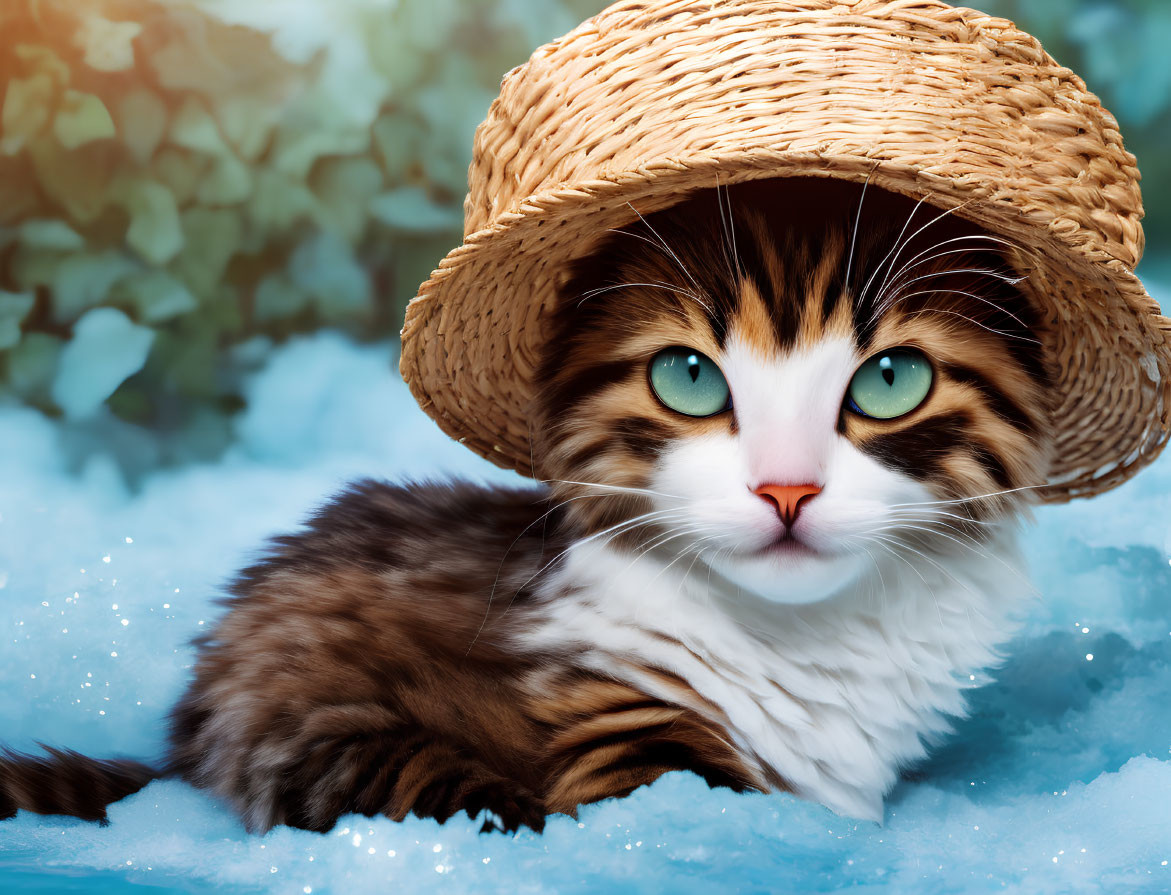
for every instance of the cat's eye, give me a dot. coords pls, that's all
(689, 382)
(890, 384)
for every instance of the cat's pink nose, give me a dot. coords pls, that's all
(788, 499)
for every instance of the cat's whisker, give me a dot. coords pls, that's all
(860, 544)
(543, 517)
(942, 569)
(668, 536)
(911, 238)
(614, 531)
(959, 537)
(902, 243)
(970, 237)
(896, 523)
(956, 500)
(905, 526)
(974, 297)
(886, 301)
(919, 259)
(629, 524)
(661, 246)
(660, 540)
(887, 544)
(944, 530)
(692, 548)
(728, 233)
(666, 286)
(625, 489)
(949, 532)
(938, 513)
(902, 282)
(698, 556)
(930, 591)
(897, 244)
(943, 527)
(925, 557)
(650, 284)
(857, 221)
(666, 248)
(985, 327)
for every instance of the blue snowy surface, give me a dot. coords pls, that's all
(1060, 781)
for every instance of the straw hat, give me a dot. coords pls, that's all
(653, 99)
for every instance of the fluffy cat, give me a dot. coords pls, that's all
(787, 429)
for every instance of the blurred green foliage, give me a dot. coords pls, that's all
(210, 176)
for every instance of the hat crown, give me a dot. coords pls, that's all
(944, 90)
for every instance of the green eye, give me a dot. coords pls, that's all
(689, 382)
(890, 384)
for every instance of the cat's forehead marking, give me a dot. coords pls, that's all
(752, 324)
(790, 300)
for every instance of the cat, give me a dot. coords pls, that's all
(787, 428)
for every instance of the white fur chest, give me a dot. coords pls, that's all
(831, 698)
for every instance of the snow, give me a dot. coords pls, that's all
(1058, 782)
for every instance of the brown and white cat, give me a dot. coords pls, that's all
(787, 428)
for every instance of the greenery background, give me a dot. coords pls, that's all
(185, 183)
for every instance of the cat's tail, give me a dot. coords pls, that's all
(65, 782)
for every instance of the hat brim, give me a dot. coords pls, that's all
(475, 334)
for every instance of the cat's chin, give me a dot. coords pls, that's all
(789, 572)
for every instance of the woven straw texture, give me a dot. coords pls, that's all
(650, 101)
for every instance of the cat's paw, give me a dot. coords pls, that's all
(507, 807)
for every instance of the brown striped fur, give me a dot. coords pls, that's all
(371, 663)
(365, 666)
(298, 714)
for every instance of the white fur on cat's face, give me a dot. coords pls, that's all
(787, 409)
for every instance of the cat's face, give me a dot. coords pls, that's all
(741, 383)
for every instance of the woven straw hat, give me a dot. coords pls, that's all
(653, 99)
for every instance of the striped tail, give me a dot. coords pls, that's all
(64, 782)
